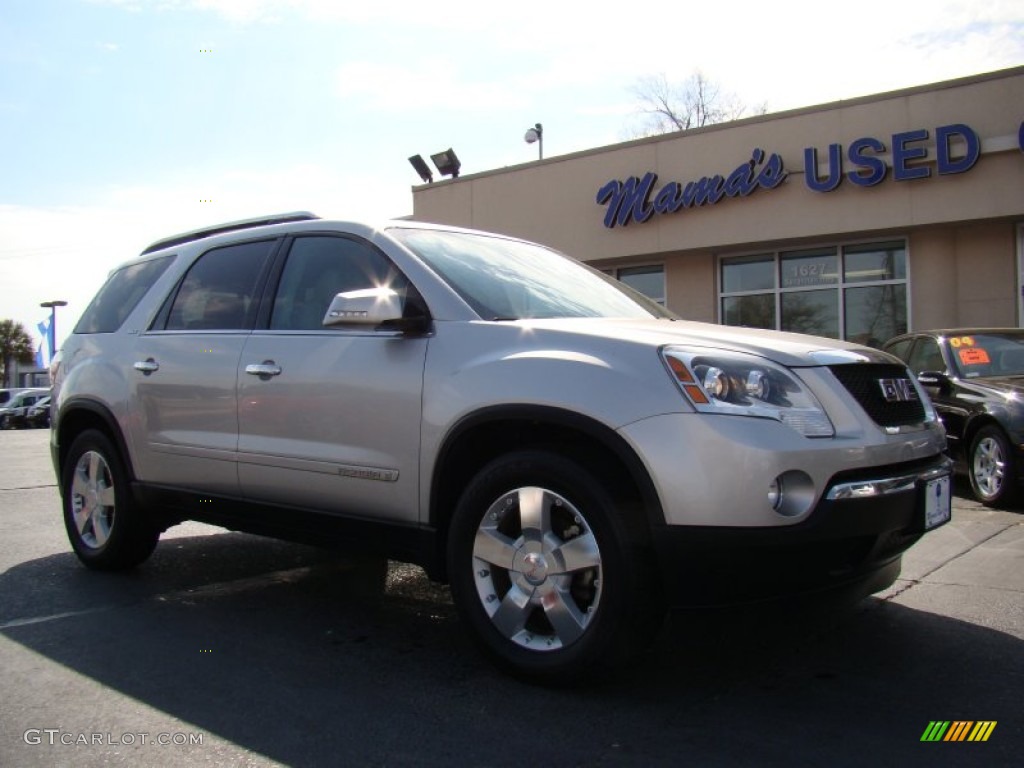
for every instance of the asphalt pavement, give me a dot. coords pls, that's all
(231, 650)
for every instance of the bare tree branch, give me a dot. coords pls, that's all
(693, 103)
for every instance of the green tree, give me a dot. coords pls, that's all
(15, 347)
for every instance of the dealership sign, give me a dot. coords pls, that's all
(862, 164)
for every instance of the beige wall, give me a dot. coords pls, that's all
(553, 201)
(964, 275)
(691, 287)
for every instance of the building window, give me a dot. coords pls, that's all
(650, 281)
(856, 292)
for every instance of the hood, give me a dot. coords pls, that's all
(999, 385)
(793, 350)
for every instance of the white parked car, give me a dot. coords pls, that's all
(572, 458)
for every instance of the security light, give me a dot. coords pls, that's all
(447, 163)
(421, 168)
(536, 135)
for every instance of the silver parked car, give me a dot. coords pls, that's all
(572, 458)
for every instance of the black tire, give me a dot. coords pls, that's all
(993, 468)
(5, 421)
(105, 527)
(542, 607)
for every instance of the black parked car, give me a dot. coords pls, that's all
(38, 414)
(975, 378)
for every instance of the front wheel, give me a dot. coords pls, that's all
(551, 574)
(106, 528)
(992, 468)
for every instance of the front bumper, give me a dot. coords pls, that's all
(855, 535)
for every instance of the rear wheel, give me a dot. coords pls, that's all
(993, 469)
(106, 528)
(553, 580)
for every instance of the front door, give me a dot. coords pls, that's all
(329, 419)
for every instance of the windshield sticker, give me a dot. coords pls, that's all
(973, 356)
(962, 341)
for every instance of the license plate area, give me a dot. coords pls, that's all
(938, 502)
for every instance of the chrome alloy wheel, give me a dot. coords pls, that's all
(537, 567)
(92, 499)
(988, 467)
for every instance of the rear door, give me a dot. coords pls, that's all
(329, 419)
(185, 424)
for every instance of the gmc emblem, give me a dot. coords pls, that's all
(897, 390)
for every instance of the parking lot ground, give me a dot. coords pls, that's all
(242, 651)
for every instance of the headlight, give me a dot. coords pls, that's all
(737, 384)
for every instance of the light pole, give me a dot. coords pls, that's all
(52, 306)
(536, 134)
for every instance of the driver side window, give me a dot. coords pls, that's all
(318, 268)
(926, 356)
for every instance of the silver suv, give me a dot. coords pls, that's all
(572, 458)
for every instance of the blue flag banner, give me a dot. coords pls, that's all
(43, 351)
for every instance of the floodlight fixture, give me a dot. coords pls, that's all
(447, 163)
(422, 168)
(536, 134)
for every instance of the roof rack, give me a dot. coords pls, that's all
(231, 226)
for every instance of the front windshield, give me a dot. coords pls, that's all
(988, 354)
(505, 279)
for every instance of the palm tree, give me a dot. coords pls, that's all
(15, 346)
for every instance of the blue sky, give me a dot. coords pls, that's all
(123, 121)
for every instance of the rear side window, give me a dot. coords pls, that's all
(219, 290)
(120, 295)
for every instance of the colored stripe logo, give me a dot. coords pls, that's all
(958, 730)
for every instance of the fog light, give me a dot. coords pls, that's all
(791, 494)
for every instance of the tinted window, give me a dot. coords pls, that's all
(925, 356)
(319, 268)
(120, 295)
(900, 349)
(219, 291)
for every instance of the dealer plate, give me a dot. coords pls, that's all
(938, 507)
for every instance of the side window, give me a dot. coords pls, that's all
(120, 294)
(219, 290)
(901, 349)
(926, 356)
(318, 268)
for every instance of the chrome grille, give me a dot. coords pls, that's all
(869, 383)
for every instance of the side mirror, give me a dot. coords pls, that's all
(369, 306)
(374, 308)
(934, 379)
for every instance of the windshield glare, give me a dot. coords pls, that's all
(510, 280)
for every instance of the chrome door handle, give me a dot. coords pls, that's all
(265, 369)
(147, 366)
